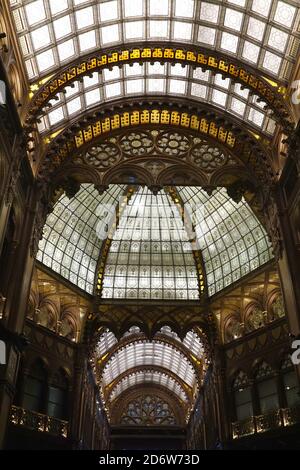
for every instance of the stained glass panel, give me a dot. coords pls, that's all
(150, 256)
(148, 410)
(232, 240)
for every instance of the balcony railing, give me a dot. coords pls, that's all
(267, 422)
(38, 422)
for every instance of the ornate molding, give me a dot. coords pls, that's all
(150, 318)
(101, 128)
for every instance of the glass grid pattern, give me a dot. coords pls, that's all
(191, 341)
(70, 245)
(144, 377)
(154, 262)
(231, 238)
(53, 33)
(157, 79)
(150, 256)
(149, 354)
(106, 341)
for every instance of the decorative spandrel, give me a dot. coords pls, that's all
(148, 410)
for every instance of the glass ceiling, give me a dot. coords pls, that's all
(157, 79)
(145, 377)
(70, 245)
(232, 240)
(150, 253)
(141, 353)
(150, 256)
(149, 354)
(191, 341)
(52, 34)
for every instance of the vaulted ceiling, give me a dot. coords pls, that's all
(170, 96)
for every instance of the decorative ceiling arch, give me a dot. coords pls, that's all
(192, 346)
(154, 353)
(143, 375)
(106, 362)
(155, 157)
(194, 340)
(198, 58)
(194, 72)
(184, 115)
(148, 405)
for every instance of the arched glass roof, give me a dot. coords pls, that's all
(152, 353)
(158, 80)
(262, 34)
(150, 254)
(52, 33)
(191, 341)
(232, 240)
(70, 244)
(146, 377)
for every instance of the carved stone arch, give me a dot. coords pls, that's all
(228, 175)
(48, 312)
(128, 174)
(33, 303)
(239, 373)
(32, 357)
(258, 363)
(232, 327)
(133, 322)
(283, 356)
(182, 175)
(80, 173)
(60, 377)
(72, 142)
(15, 81)
(68, 325)
(275, 304)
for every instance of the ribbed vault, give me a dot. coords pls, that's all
(170, 364)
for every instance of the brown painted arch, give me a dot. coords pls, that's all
(174, 53)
